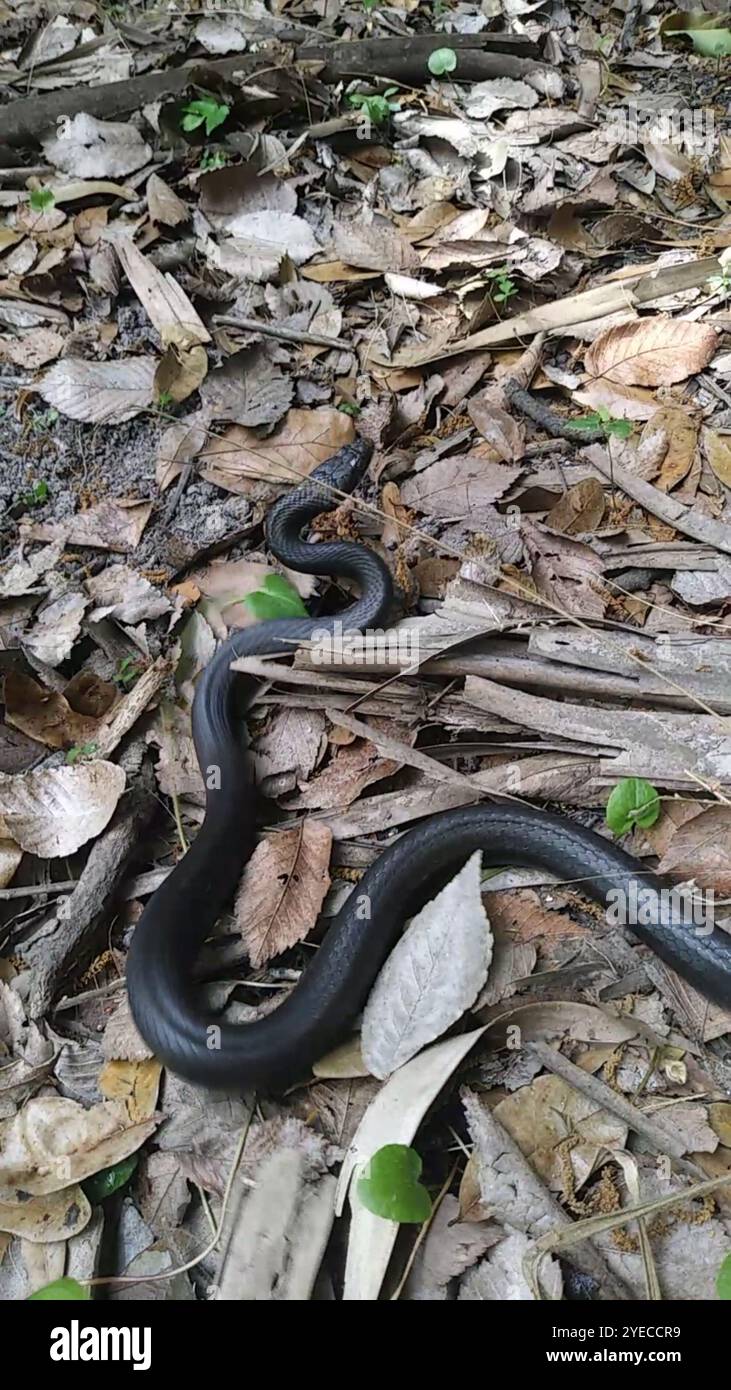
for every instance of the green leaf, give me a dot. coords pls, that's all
(390, 1186)
(723, 1279)
(585, 422)
(275, 599)
(633, 802)
(442, 60)
(67, 1289)
(622, 429)
(41, 198)
(108, 1180)
(204, 109)
(710, 43)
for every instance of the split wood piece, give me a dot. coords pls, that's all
(274, 1237)
(75, 939)
(660, 504)
(640, 286)
(511, 1188)
(26, 120)
(700, 665)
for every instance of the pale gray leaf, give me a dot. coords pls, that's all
(431, 977)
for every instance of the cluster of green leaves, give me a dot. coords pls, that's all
(723, 1279)
(214, 159)
(127, 671)
(36, 495)
(41, 199)
(275, 599)
(207, 111)
(377, 107)
(79, 752)
(633, 802)
(601, 419)
(503, 285)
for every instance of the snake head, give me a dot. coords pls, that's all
(346, 468)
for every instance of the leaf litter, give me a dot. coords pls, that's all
(469, 256)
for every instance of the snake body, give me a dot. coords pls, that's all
(280, 1048)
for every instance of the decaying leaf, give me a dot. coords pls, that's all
(305, 439)
(283, 889)
(651, 352)
(55, 810)
(100, 393)
(465, 485)
(701, 850)
(54, 1142)
(92, 149)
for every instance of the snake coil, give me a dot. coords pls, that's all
(275, 1051)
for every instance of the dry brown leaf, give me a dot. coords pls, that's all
(373, 246)
(651, 352)
(111, 525)
(100, 393)
(282, 890)
(352, 769)
(54, 1142)
(679, 438)
(180, 372)
(701, 850)
(717, 449)
(33, 349)
(581, 509)
(45, 715)
(54, 810)
(134, 1082)
(166, 304)
(504, 434)
(464, 485)
(163, 204)
(305, 439)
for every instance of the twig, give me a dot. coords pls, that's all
(287, 335)
(33, 890)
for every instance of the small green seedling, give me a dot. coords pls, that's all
(43, 420)
(600, 419)
(275, 599)
(349, 408)
(633, 802)
(36, 495)
(504, 285)
(127, 671)
(720, 284)
(390, 1186)
(204, 111)
(214, 159)
(108, 1180)
(441, 61)
(164, 400)
(41, 199)
(723, 1279)
(79, 752)
(376, 107)
(66, 1289)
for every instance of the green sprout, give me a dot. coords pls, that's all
(214, 159)
(128, 670)
(36, 495)
(441, 60)
(377, 108)
(79, 752)
(504, 285)
(633, 802)
(204, 111)
(41, 199)
(600, 419)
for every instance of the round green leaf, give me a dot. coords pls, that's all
(109, 1180)
(442, 60)
(65, 1289)
(275, 599)
(633, 802)
(390, 1186)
